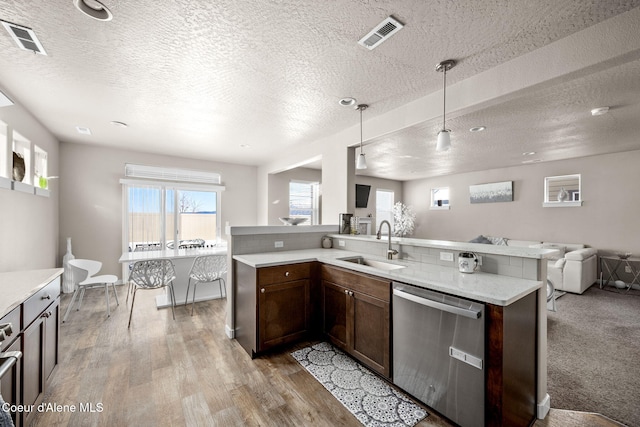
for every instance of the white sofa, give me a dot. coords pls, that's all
(573, 269)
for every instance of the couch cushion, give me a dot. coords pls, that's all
(500, 241)
(522, 243)
(554, 274)
(581, 254)
(560, 250)
(568, 246)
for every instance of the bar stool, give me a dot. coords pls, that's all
(207, 269)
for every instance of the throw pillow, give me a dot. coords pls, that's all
(561, 250)
(480, 239)
(501, 241)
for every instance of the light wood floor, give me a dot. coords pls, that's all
(187, 372)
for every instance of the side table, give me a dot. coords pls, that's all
(612, 263)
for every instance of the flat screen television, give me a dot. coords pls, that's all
(362, 195)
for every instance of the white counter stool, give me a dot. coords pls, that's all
(83, 271)
(207, 269)
(152, 274)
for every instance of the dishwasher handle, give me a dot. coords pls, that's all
(466, 312)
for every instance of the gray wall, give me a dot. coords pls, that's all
(278, 199)
(29, 223)
(608, 219)
(91, 197)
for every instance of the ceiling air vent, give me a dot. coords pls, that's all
(24, 37)
(380, 33)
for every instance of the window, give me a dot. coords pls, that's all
(157, 214)
(439, 198)
(384, 207)
(304, 201)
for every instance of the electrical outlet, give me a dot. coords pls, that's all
(627, 269)
(446, 256)
(341, 243)
(279, 244)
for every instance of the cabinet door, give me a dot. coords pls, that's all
(334, 321)
(32, 358)
(10, 382)
(369, 335)
(283, 313)
(51, 331)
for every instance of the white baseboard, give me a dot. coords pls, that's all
(544, 407)
(230, 332)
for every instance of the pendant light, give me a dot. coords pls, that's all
(361, 161)
(444, 139)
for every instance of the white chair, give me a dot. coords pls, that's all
(83, 273)
(152, 274)
(207, 269)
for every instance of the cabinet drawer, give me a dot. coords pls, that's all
(369, 285)
(14, 318)
(39, 301)
(283, 273)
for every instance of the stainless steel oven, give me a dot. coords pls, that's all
(439, 351)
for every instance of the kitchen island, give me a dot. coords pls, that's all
(508, 283)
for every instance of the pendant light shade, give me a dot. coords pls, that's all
(361, 161)
(444, 141)
(444, 137)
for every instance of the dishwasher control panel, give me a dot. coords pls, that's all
(465, 357)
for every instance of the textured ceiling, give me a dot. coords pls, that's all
(201, 79)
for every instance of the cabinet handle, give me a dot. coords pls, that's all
(262, 290)
(46, 315)
(350, 293)
(286, 274)
(346, 291)
(46, 296)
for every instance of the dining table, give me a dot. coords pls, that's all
(182, 260)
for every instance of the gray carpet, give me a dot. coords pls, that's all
(594, 353)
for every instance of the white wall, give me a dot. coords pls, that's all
(29, 223)
(91, 197)
(608, 219)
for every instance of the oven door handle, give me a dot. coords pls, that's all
(7, 360)
(466, 312)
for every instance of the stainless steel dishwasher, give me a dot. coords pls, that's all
(438, 352)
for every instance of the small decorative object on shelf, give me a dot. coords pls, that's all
(292, 221)
(68, 286)
(18, 167)
(624, 255)
(563, 195)
(403, 220)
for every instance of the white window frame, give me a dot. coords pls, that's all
(433, 205)
(315, 200)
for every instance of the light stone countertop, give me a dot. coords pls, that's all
(18, 286)
(484, 287)
(514, 251)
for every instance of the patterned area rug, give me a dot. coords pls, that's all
(373, 402)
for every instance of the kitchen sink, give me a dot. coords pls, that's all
(381, 265)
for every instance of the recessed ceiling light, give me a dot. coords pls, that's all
(528, 153)
(119, 124)
(93, 9)
(83, 130)
(347, 102)
(477, 129)
(599, 111)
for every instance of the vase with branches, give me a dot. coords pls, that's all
(403, 220)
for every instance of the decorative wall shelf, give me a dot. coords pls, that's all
(22, 187)
(562, 204)
(41, 191)
(5, 182)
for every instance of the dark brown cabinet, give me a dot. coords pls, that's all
(36, 326)
(356, 316)
(40, 355)
(273, 305)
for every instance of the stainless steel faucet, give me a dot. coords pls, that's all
(390, 252)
